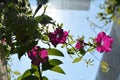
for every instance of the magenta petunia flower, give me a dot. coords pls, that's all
(103, 42)
(79, 45)
(38, 55)
(58, 36)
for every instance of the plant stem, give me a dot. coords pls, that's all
(40, 73)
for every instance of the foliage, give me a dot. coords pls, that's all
(111, 11)
(20, 31)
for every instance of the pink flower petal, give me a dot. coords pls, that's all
(58, 36)
(65, 33)
(38, 55)
(103, 42)
(78, 45)
(100, 49)
(43, 53)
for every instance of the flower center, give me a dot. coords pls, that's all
(58, 35)
(102, 42)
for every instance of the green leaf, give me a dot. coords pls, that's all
(36, 74)
(48, 18)
(43, 19)
(82, 52)
(45, 78)
(38, 18)
(47, 66)
(16, 73)
(63, 45)
(61, 25)
(70, 36)
(55, 52)
(71, 42)
(55, 62)
(30, 78)
(71, 51)
(77, 59)
(50, 64)
(28, 72)
(89, 62)
(34, 67)
(21, 52)
(90, 49)
(19, 78)
(9, 69)
(58, 69)
(45, 38)
(37, 9)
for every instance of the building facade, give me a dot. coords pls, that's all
(112, 58)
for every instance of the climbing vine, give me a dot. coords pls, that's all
(21, 29)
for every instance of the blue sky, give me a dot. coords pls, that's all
(76, 22)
